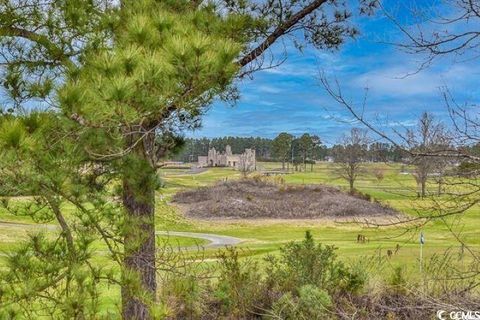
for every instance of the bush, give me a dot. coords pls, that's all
(307, 263)
(379, 173)
(355, 279)
(397, 281)
(311, 303)
(239, 290)
(279, 180)
(185, 296)
(360, 195)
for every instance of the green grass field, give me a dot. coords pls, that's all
(396, 189)
(265, 236)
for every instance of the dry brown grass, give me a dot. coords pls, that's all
(255, 198)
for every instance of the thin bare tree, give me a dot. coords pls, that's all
(428, 136)
(351, 155)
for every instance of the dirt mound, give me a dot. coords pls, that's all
(260, 199)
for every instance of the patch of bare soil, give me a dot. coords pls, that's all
(249, 199)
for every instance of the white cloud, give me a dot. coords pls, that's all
(268, 89)
(396, 81)
(404, 81)
(267, 103)
(293, 69)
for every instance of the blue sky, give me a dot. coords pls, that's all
(290, 98)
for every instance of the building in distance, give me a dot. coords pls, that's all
(243, 162)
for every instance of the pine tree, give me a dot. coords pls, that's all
(165, 57)
(282, 146)
(55, 275)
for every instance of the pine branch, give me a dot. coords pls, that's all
(280, 31)
(56, 53)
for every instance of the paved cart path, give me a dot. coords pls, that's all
(214, 240)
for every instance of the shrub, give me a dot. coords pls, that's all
(183, 293)
(311, 303)
(279, 180)
(239, 288)
(307, 263)
(360, 195)
(284, 308)
(258, 178)
(185, 296)
(397, 281)
(355, 279)
(379, 174)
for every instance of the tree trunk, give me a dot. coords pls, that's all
(351, 185)
(139, 261)
(283, 164)
(423, 186)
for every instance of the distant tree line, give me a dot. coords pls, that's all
(286, 148)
